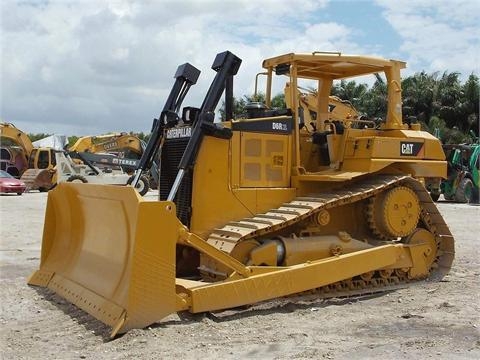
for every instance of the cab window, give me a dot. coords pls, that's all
(5, 154)
(53, 159)
(31, 161)
(43, 159)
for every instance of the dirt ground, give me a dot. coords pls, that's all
(426, 320)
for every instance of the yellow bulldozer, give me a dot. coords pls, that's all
(253, 209)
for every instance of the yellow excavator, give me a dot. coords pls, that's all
(128, 149)
(128, 146)
(15, 149)
(35, 165)
(253, 209)
(339, 109)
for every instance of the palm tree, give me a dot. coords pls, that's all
(419, 93)
(471, 103)
(373, 102)
(448, 99)
(437, 103)
(350, 90)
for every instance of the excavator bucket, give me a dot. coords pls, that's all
(111, 253)
(38, 179)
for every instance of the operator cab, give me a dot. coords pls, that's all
(324, 122)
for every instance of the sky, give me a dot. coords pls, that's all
(88, 67)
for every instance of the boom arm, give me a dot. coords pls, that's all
(104, 159)
(9, 131)
(107, 143)
(76, 155)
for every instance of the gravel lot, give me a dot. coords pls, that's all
(426, 320)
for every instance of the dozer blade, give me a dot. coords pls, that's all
(111, 253)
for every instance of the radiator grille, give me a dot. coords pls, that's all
(172, 153)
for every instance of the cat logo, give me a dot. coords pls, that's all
(407, 149)
(181, 132)
(410, 148)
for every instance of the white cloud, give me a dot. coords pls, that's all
(437, 35)
(89, 67)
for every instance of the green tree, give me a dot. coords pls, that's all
(418, 94)
(72, 140)
(374, 102)
(442, 103)
(448, 100)
(278, 101)
(471, 104)
(351, 91)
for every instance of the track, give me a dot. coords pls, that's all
(302, 208)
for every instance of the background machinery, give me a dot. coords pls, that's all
(340, 110)
(462, 182)
(125, 146)
(15, 149)
(89, 160)
(122, 144)
(256, 208)
(85, 167)
(35, 165)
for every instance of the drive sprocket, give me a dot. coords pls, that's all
(393, 213)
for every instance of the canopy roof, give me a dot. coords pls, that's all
(332, 65)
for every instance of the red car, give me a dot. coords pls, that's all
(8, 184)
